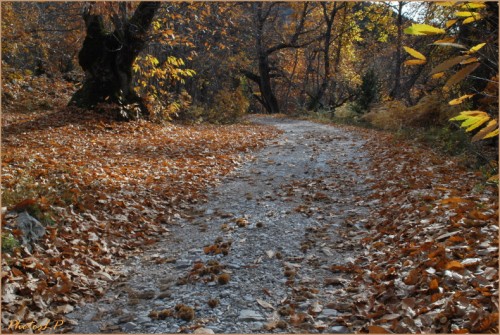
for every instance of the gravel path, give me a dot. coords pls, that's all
(274, 228)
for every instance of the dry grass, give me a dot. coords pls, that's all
(394, 115)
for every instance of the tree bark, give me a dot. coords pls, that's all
(107, 60)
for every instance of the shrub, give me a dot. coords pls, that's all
(9, 242)
(388, 115)
(346, 111)
(368, 92)
(227, 107)
(431, 110)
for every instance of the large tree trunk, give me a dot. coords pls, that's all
(107, 60)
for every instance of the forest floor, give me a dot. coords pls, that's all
(274, 225)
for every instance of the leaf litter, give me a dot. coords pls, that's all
(108, 190)
(430, 249)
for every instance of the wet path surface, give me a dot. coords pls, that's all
(272, 229)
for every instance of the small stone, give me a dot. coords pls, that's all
(256, 326)
(126, 318)
(250, 315)
(327, 313)
(164, 294)
(32, 229)
(129, 327)
(327, 251)
(334, 281)
(203, 331)
(182, 264)
(339, 330)
(149, 294)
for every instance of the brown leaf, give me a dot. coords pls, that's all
(448, 64)
(377, 330)
(412, 277)
(460, 75)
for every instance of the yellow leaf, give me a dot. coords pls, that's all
(490, 127)
(449, 23)
(437, 75)
(415, 62)
(474, 113)
(445, 3)
(474, 123)
(472, 19)
(458, 101)
(448, 64)
(473, 5)
(476, 48)
(492, 134)
(460, 75)
(466, 14)
(414, 53)
(423, 29)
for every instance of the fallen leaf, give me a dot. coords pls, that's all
(265, 304)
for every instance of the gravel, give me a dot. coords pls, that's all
(290, 212)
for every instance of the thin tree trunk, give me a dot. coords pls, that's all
(396, 90)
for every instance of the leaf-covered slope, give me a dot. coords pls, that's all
(104, 190)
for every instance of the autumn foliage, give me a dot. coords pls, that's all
(105, 190)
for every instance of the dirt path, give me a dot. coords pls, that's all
(283, 219)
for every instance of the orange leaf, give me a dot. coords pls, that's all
(456, 239)
(453, 200)
(454, 265)
(434, 284)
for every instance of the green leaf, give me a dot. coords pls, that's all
(467, 114)
(478, 122)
